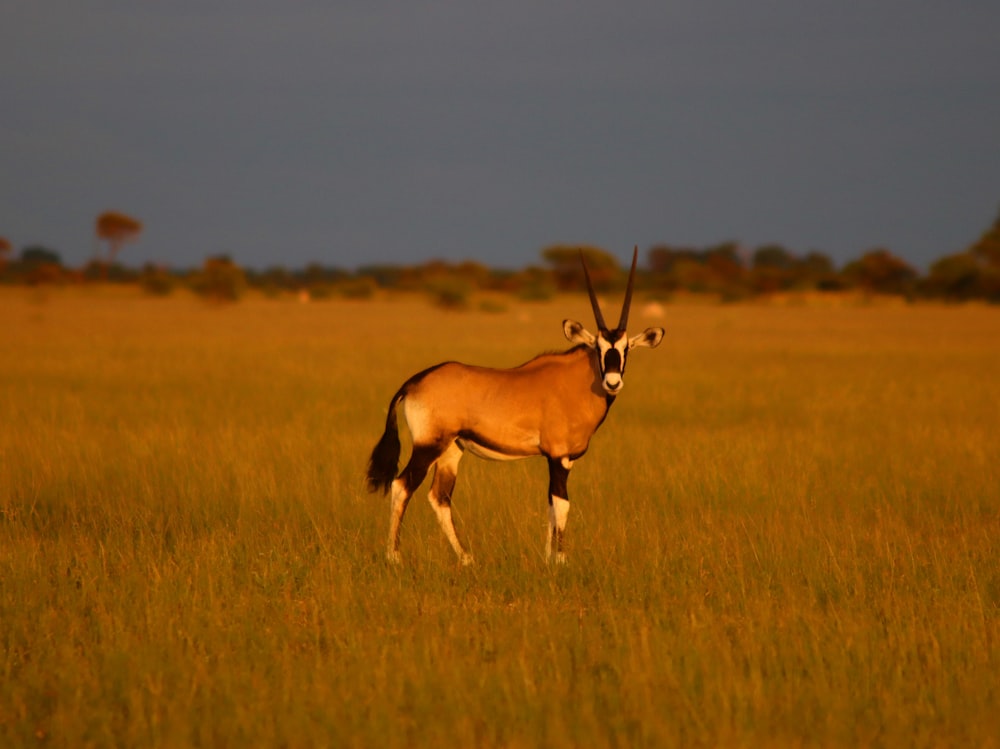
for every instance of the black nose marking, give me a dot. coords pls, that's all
(613, 361)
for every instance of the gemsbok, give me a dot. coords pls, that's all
(549, 406)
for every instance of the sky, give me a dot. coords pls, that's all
(363, 131)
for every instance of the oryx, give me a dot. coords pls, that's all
(549, 406)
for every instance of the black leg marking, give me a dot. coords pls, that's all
(558, 477)
(402, 489)
(443, 485)
(416, 469)
(445, 473)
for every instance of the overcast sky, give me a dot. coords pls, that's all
(366, 131)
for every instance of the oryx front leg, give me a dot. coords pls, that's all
(558, 508)
(445, 473)
(402, 489)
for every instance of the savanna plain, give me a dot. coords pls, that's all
(786, 533)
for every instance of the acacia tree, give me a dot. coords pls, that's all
(117, 229)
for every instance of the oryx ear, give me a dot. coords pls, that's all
(650, 337)
(576, 333)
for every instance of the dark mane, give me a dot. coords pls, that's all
(571, 350)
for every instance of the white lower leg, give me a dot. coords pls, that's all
(443, 513)
(558, 511)
(398, 505)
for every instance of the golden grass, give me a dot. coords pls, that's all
(786, 534)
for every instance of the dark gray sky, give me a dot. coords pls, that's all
(372, 131)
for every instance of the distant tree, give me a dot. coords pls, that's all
(690, 274)
(99, 270)
(815, 265)
(879, 271)
(360, 287)
(39, 265)
(220, 279)
(319, 282)
(532, 284)
(474, 273)
(273, 281)
(773, 256)
(567, 273)
(955, 278)
(986, 249)
(772, 269)
(156, 280)
(449, 291)
(94, 270)
(315, 276)
(116, 229)
(36, 255)
(5, 249)
(449, 284)
(664, 258)
(816, 271)
(386, 276)
(718, 269)
(973, 274)
(726, 270)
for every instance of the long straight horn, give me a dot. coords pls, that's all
(593, 297)
(623, 321)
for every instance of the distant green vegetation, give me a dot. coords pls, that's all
(787, 533)
(728, 271)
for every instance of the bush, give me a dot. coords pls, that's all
(536, 291)
(449, 293)
(220, 280)
(363, 287)
(156, 281)
(317, 292)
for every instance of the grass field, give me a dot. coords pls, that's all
(787, 533)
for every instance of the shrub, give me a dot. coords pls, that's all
(156, 281)
(363, 287)
(536, 291)
(220, 279)
(450, 293)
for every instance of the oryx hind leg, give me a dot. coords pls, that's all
(402, 489)
(558, 508)
(445, 474)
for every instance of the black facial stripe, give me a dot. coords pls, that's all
(613, 361)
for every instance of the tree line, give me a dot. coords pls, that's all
(727, 271)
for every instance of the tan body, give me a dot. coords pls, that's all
(516, 412)
(550, 406)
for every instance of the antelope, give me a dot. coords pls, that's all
(550, 406)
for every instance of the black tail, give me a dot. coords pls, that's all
(384, 462)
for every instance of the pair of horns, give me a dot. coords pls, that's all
(623, 320)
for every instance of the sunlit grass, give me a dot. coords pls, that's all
(785, 534)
